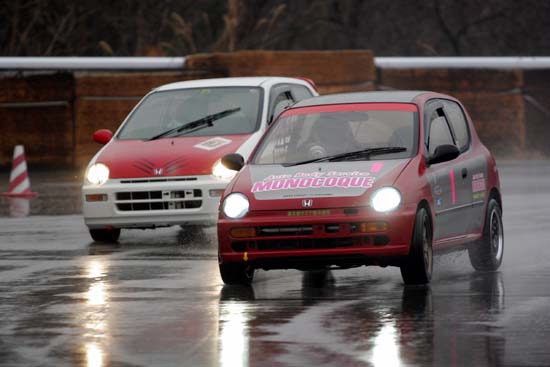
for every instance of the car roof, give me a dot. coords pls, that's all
(400, 96)
(230, 82)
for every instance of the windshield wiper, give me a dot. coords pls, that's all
(355, 154)
(202, 122)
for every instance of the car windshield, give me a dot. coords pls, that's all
(303, 137)
(161, 112)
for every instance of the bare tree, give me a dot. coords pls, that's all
(180, 27)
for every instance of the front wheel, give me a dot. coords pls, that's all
(236, 274)
(105, 235)
(486, 254)
(418, 265)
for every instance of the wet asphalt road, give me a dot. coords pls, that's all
(156, 298)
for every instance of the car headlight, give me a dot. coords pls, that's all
(97, 174)
(385, 199)
(235, 206)
(222, 172)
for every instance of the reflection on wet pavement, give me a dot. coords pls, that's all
(18, 207)
(58, 193)
(404, 326)
(156, 299)
(95, 316)
(233, 337)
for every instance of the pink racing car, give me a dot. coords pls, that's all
(377, 178)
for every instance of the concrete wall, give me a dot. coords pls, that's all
(37, 111)
(55, 115)
(332, 71)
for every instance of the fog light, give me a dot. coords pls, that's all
(373, 227)
(216, 193)
(243, 232)
(96, 197)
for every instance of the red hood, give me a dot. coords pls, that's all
(183, 156)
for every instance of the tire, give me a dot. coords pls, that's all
(486, 254)
(105, 235)
(236, 274)
(418, 265)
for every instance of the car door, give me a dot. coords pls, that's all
(452, 198)
(474, 166)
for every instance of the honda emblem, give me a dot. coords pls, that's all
(307, 203)
(158, 171)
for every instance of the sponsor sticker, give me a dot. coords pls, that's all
(478, 182)
(479, 195)
(376, 167)
(314, 180)
(213, 143)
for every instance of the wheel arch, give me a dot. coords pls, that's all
(495, 194)
(423, 204)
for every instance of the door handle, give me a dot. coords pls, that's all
(464, 172)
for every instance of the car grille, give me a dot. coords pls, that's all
(309, 236)
(158, 200)
(146, 180)
(285, 231)
(307, 229)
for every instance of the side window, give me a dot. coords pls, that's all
(439, 134)
(280, 99)
(458, 122)
(300, 92)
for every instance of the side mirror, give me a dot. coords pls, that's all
(233, 161)
(103, 136)
(444, 153)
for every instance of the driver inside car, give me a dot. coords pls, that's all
(329, 137)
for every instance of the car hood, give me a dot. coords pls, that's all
(330, 184)
(182, 156)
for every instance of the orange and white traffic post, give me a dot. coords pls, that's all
(20, 185)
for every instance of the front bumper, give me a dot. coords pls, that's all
(282, 241)
(150, 203)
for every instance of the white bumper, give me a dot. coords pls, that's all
(149, 203)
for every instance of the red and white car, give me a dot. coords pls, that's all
(373, 178)
(162, 166)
